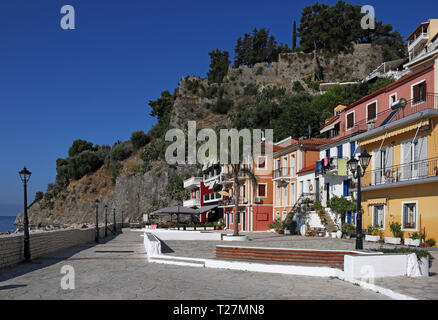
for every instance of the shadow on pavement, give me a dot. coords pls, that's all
(22, 268)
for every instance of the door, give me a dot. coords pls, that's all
(228, 220)
(316, 189)
(243, 220)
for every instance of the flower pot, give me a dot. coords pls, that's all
(287, 231)
(371, 238)
(333, 235)
(392, 240)
(339, 234)
(303, 230)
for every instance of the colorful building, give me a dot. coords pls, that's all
(256, 200)
(294, 175)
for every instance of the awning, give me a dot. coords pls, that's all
(329, 127)
(178, 209)
(393, 133)
(207, 208)
(373, 202)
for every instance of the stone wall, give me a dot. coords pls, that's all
(44, 243)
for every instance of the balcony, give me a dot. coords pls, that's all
(421, 39)
(430, 101)
(336, 167)
(282, 173)
(192, 203)
(193, 182)
(412, 171)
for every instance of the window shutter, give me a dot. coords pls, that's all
(372, 111)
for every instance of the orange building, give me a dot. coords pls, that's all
(288, 162)
(256, 201)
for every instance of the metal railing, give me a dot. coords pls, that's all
(283, 172)
(430, 101)
(403, 172)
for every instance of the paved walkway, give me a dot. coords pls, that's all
(118, 269)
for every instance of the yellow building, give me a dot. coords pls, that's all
(401, 182)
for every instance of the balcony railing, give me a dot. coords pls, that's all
(405, 172)
(430, 101)
(421, 38)
(283, 173)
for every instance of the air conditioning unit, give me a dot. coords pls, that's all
(371, 124)
(257, 200)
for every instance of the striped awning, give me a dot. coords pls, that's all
(393, 133)
(372, 202)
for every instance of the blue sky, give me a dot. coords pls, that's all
(95, 82)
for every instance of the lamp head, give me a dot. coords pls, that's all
(25, 175)
(352, 165)
(364, 159)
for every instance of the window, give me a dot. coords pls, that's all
(419, 92)
(327, 153)
(379, 216)
(262, 190)
(292, 193)
(392, 99)
(278, 163)
(278, 194)
(243, 191)
(277, 215)
(410, 216)
(352, 148)
(350, 121)
(372, 111)
(284, 215)
(284, 194)
(261, 163)
(292, 165)
(340, 155)
(232, 216)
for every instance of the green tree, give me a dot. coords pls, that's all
(79, 146)
(219, 63)
(120, 152)
(255, 47)
(139, 139)
(294, 37)
(341, 205)
(336, 28)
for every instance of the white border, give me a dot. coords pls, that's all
(416, 215)
(258, 190)
(377, 109)
(384, 215)
(412, 93)
(346, 121)
(390, 96)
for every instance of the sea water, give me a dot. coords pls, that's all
(7, 223)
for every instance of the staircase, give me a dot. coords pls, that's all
(330, 226)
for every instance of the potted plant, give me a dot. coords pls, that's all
(430, 243)
(396, 232)
(413, 240)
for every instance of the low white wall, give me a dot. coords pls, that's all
(152, 245)
(384, 265)
(185, 235)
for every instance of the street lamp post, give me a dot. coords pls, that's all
(25, 176)
(358, 168)
(114, 219)
(97, 221)
(106, 221)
